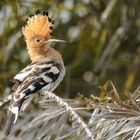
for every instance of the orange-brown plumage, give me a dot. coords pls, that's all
(37, 32)
(38, 25)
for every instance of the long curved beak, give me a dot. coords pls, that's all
(55, 40)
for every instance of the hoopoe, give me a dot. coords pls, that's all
(46, 70)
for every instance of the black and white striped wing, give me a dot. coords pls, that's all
(43, 76)
(23, 74)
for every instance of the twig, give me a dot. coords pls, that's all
(75, 117)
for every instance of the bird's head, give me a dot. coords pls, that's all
(38, 30)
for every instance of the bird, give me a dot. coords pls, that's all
(46, 70)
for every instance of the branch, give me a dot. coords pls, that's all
(75, 117)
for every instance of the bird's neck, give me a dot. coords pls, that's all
(37, 54)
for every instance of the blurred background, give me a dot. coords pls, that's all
(103, 42)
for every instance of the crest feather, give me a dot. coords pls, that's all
(39, 24)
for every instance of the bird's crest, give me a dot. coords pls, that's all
(38, 24)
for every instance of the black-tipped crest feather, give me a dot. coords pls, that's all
(39, 12)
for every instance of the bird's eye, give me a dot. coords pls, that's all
(37, 40)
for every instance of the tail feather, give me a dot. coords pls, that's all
(9, 124)
(14, 110)
(13, 115)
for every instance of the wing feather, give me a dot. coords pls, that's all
(41, 76)
(33, 68)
